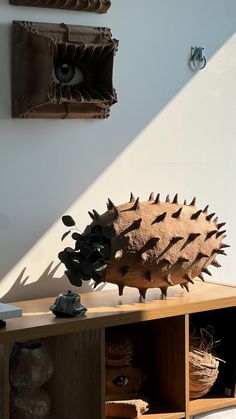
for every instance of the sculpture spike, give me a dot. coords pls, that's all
(201, 277)
(220, 233)
(96, 215)
(220, 225)
(177, 213)
(189, 279)
(132, 198)
(136, 205)
(193, 203)
(221, 252)
(210, 234)
(91, 215)
(134, 226)
(206, 271)
(151, 197)
(195, 215)
(169, 280)
(175, 200)
(148, 245)
(206, 209)
(186, 287)
(175, 240)
(124, 270)
(148, 276)
(159, 218)
(157, 200)
(121, 289)
(181, 260)
(110, 205)
(191, 238)
(185, 202)
(163, 293)
(200, 256)
(142, 292)
(209, 217)
(223, 245)
(216, 264)
(116, 213)
(167, 198)
(215, 220)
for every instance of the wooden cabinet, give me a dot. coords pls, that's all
(159, 328)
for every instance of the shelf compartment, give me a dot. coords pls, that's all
(78, 368)
(160, 351)
(223, 321)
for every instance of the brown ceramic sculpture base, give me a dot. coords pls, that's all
(62, 71)
(129, 409)
(98, 6)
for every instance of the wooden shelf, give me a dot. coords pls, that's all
(159, 411)
(161, 330)
(106, 308)
(206, 404)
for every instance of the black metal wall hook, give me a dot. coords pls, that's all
(198, 60)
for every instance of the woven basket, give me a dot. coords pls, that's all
(203, 365)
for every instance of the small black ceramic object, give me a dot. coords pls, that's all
(68, 305)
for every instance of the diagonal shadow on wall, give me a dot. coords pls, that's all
(45, 166)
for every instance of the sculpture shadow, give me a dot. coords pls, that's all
(47, 285)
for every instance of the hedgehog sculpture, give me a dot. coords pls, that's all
(152, 244)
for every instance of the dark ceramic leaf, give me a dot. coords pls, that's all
(63, 256)
(99, 265)
(74, 278)
(65, 235)
(69, 250)
(76, 236)
(86, 267)
(68, 221)
(97, 278)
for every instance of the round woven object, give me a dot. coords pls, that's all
(203, 365)
(203, 369)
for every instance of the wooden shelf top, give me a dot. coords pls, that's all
(106, 308)
(207, 404)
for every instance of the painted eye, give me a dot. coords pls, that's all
(67, 73)
(121, 381)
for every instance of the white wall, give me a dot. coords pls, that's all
(172, 130)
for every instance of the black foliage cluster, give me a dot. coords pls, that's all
(90, 254)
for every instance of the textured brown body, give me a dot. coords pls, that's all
(160, 244)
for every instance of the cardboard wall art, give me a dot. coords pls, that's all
(62, 71)
(98, 6)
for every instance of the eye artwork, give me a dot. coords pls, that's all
(98, 6)
(62, 71)
(121, 381)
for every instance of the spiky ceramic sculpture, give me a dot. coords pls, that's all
(157, 244)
